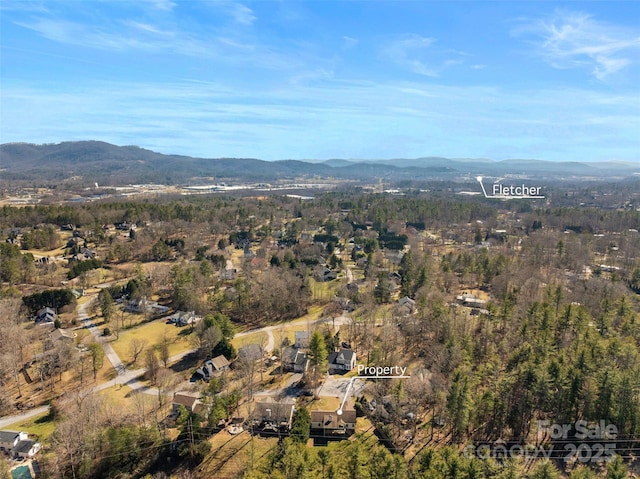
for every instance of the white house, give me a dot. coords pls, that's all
(302, 339)
(18, 444)
(342, 360)
(181, 318)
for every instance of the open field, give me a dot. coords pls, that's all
(231, 455)
(124, 401)
(39, 427)
(152, 332)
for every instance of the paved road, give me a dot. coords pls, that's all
(270, 346)
(129, 377)
(7, 420)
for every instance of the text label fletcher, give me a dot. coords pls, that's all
(522, 190)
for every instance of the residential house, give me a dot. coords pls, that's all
(124, 226)
(342, 360)
(393, 256)
(228, 274)
(294, 360)
(190, 400)
(325, 274)
(73, 242)
(219, 363)
(471, 300)
(60, 334)
(156, 308)
(210, 368)
(27, 448)
(248, 253)
(330, 423)
(301, 339)
(9, 439)
(406, 305)
(136, 305)
(45, 316)
(88, 253)
(18, 444)
(362, 262)
(181, 318)
(395, 281)
(272, 415)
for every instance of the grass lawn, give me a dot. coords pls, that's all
(231, 455)
(325, 404)
(40, 426)
(288, 329)
(152, 333)
(325, 290)
(259, 337)
(124, 400)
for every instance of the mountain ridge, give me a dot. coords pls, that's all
(99, 161)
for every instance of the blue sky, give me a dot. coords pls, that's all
(326, 79)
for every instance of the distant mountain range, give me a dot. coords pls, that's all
(107, 164)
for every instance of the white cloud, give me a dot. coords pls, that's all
(239, 12)
(243, 14)
(577, 40)
(353, 119)
(349, 42)
(164, 37)
(409, 52)
(166, 5)
(421, 55)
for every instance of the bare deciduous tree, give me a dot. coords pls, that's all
(151, 364)
(136, 347)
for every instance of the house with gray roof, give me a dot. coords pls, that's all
(294, 360)
(342, 360)
(45, 316)
(18, 444)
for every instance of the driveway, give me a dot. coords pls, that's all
(337, 386)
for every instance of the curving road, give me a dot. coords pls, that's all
(124, 375)
(129, 376)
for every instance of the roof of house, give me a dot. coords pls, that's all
(8, 436)
(331, 419)
(24, 446)
(220, 362)
(281, 411)
(46, 315)
(186, 399)
(60, 334)
(289, 354)
(406, 300)
(301, 335)
(302, 361)
(342, 356)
